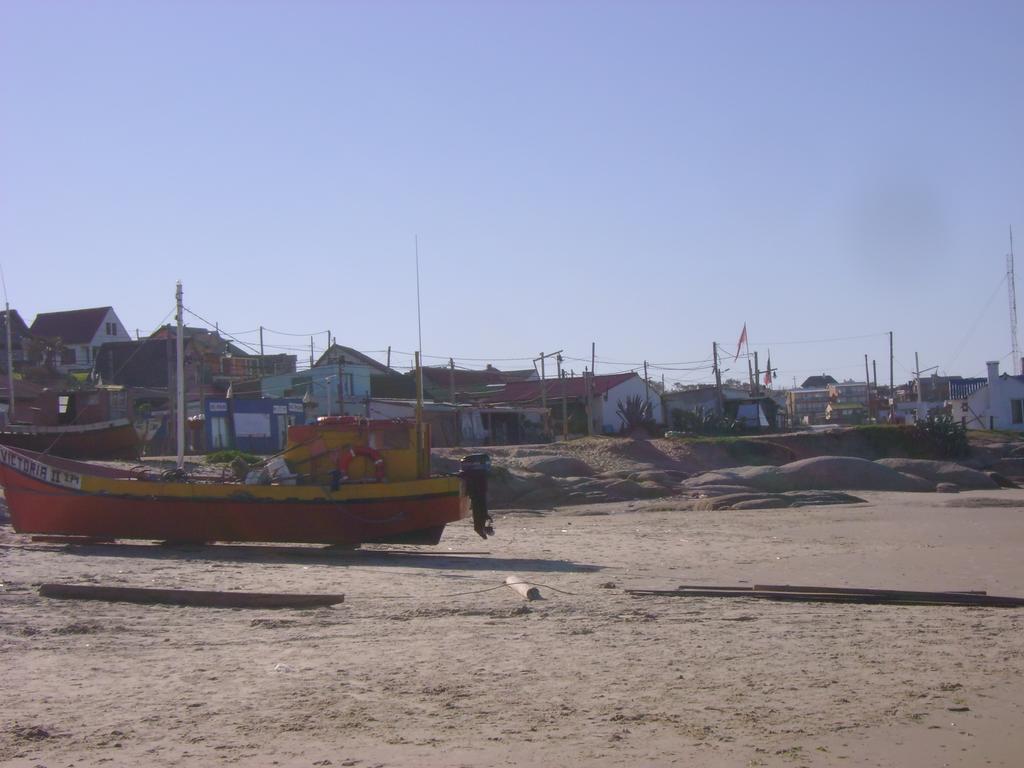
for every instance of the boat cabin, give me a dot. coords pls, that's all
(350, 449)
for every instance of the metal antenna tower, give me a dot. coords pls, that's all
(1011, 282)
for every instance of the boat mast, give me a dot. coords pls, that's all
(10, 366)
(180, 378)
(1012, 283)
(422, 467)
(10, 354)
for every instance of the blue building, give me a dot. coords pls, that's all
(338, 389)
(254, 426)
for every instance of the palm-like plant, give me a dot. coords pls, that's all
(635, 413)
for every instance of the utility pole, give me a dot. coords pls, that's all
(874, 377)
(543, 384)
(917, 382)
(543, 389)
(892, 383)
(341, 383)
(647, 386)
(311, 352)
(565, 407)
(389, 356)
(718, 379)
(181, 412)
(757, 376)
(588, 386)
(451, 378)
(867, 383)
(1011, 281)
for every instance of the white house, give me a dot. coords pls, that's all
(607, 391)
(997, 404)
(81, 333)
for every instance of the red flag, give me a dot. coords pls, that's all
(741, 342)
(768, 373)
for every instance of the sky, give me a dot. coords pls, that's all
(643, 177)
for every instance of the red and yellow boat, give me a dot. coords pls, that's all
(340, 481)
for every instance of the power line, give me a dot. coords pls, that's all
(819, 341)
(214, 326)
(286, 333)
(974, 325)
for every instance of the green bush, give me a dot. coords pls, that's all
(704, 423)
(226, 457)
(936, 438)
(945, 437)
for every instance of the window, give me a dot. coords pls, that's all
(118, 405)
(1017, 409)
(111, 329)
(219, 436)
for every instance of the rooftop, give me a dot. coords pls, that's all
(74, 326)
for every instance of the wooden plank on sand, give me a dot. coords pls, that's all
(189, 597)
(786, 588)
(960, 599)
(866, 591)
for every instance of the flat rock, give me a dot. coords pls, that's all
(1009, 467)
(942, 472)
(557, 466)
(824, 473)
(755, 500)
(653, 476)
(731, 500)
(1002, 480)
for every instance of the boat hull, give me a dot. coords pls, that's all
(104, 440)
(57, 497)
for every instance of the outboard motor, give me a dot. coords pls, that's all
(473, 470)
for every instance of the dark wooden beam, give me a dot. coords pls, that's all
(188, 597)
(894, 597)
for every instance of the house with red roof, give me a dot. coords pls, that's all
(607, 391)
(78, 335)
(439, 382)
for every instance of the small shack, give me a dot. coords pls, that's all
(257, 426)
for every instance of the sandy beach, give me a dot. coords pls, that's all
(431, 661)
